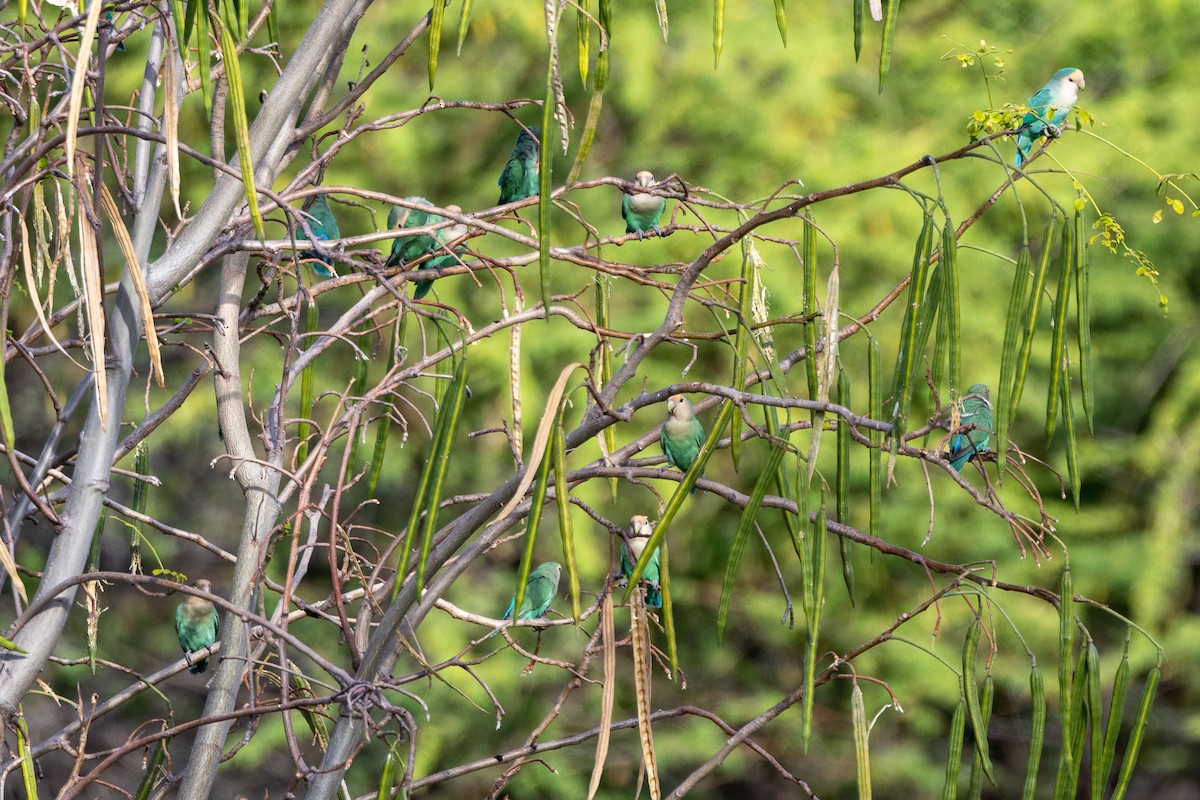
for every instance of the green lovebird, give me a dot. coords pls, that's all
(642, 211)
(410, 248)
(1048, 109)
(977, 411)
(520, 176)
(540, 588)
(324, 227)
(196, 623)
(639, 533)
(682, 434)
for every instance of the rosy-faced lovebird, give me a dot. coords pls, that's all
(1048, 109)
(682, 434)
(324, 227)
(196, 623)
(976, 411)
(540, 588)
(520, 176)
(410, 248)
(642, 211)
(639, 533)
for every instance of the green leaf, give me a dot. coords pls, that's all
(1083, 309)
(858, 27)
(1112, 728)
(436, 20)
(427, 498)
(970, 691)
(583, 29)
(464, 22)
(908, 355)
(1138, 734)
(1037, 695)
(954, 756)
(746, 525)
(813, 572)
(875, 401)
(1072, 445)
(718, 30)
(1062, 301)
(562, 497)
(241, 128)
(545, 184)
(842, 484)
(307, 386)
(891, 21)
(1066, 646)
(862, 753)
(781, 20)
(979, 765)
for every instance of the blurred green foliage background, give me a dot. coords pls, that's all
(767, 115)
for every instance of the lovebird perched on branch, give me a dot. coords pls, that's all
(540, 588)
(520, 176)
(196, 623)
(642, 211)
(410, 248)
(1048, 109)
(639, 533)
(324, 227)
(977, 411)
(682, 434)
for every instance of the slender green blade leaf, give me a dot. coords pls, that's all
(842, 484)
(241, 128)
(970, 691)
(979, 765)
(814, 591)
(1083, 309)
(1138, 734)
(307, 385)
(562, 497)
(862, 753)
(718, 30)
(954, 756)
(583, 28)
(746, 525)
(858, 27)
(1037, 695)
(891, 21)
(1066, 646)
(781, 20)
(1116, 710)
(449, 416)
(1062, 301)
(537, 504)
(464, 22)
(545, 183)
(436, 20)
(875, 401)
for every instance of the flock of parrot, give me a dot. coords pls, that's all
(642, 212)
(682, 435)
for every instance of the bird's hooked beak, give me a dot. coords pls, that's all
(645, 179)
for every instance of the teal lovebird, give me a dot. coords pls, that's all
(520, 176)
(639, 533)
(410, 248)
(682, 434)
(1048, 109)
(196, 623)
(324, 227)
(540, 588)
(977, 411)
(642, 211)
